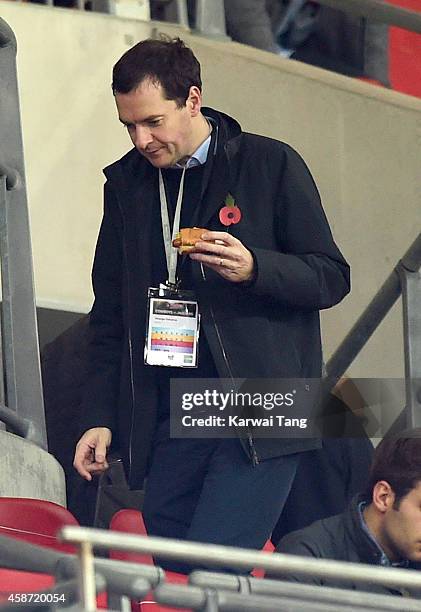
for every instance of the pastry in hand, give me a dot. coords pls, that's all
(187, 238)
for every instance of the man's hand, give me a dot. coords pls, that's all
(91, 452)
(225, 255)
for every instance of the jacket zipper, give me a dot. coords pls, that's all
(133, 399)
(253, 453)
(130, 346)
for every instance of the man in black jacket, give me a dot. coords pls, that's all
(382, 525)
(259, 286)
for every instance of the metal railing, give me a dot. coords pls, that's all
(278, 588)
(81, 579)
(237, 558)
(405, 280)
(378, 10)
(118, 578)
(210, 18)
(219, 599)
(21, 400)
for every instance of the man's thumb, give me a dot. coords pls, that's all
(100, 454)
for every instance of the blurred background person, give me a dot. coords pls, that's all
(312, 33)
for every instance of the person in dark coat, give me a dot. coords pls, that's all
(312, 33)
(382, 525)
(259, 280)
(330, 476)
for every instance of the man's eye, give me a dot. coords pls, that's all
(155, 122)
(129, 126)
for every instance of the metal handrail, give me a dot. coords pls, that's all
(11, 175)
(135, 580)
(19, 334)
(379, 10)
(19, 425)
(289, 599)
(375, 10)
(119, 578)
(305, 592)
(24, 556)
(218, 600)
(240, 558)
(224, 556)
(374, 313)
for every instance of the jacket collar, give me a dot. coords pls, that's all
(368, 550)
(220, 169)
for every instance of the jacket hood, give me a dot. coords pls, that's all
(228, 127)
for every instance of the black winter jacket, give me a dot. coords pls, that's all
(341, 538)
(269, 330)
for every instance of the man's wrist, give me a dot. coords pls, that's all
(254, 273)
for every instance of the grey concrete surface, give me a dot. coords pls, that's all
(28, 471)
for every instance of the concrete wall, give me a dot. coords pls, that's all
(361, 142)
(28, 471)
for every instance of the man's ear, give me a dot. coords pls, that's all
(194, 101)
(383, 496)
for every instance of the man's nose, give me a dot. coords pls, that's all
(143, 137)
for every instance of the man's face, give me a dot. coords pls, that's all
(160, 131)
(401, 528)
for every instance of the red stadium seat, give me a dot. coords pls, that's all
(15, 581)
(258, 572)
(405, 54)
(131, 521)
(35, 520)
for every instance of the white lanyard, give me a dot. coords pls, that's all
(171, 253)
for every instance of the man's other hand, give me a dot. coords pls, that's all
(91, 452)
(224, 254)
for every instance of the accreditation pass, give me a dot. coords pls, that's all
(172, 332)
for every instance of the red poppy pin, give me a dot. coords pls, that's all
(230, 214)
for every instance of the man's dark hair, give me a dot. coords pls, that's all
(166, 62)
(397, 460)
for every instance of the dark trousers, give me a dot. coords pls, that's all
(209, 491)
